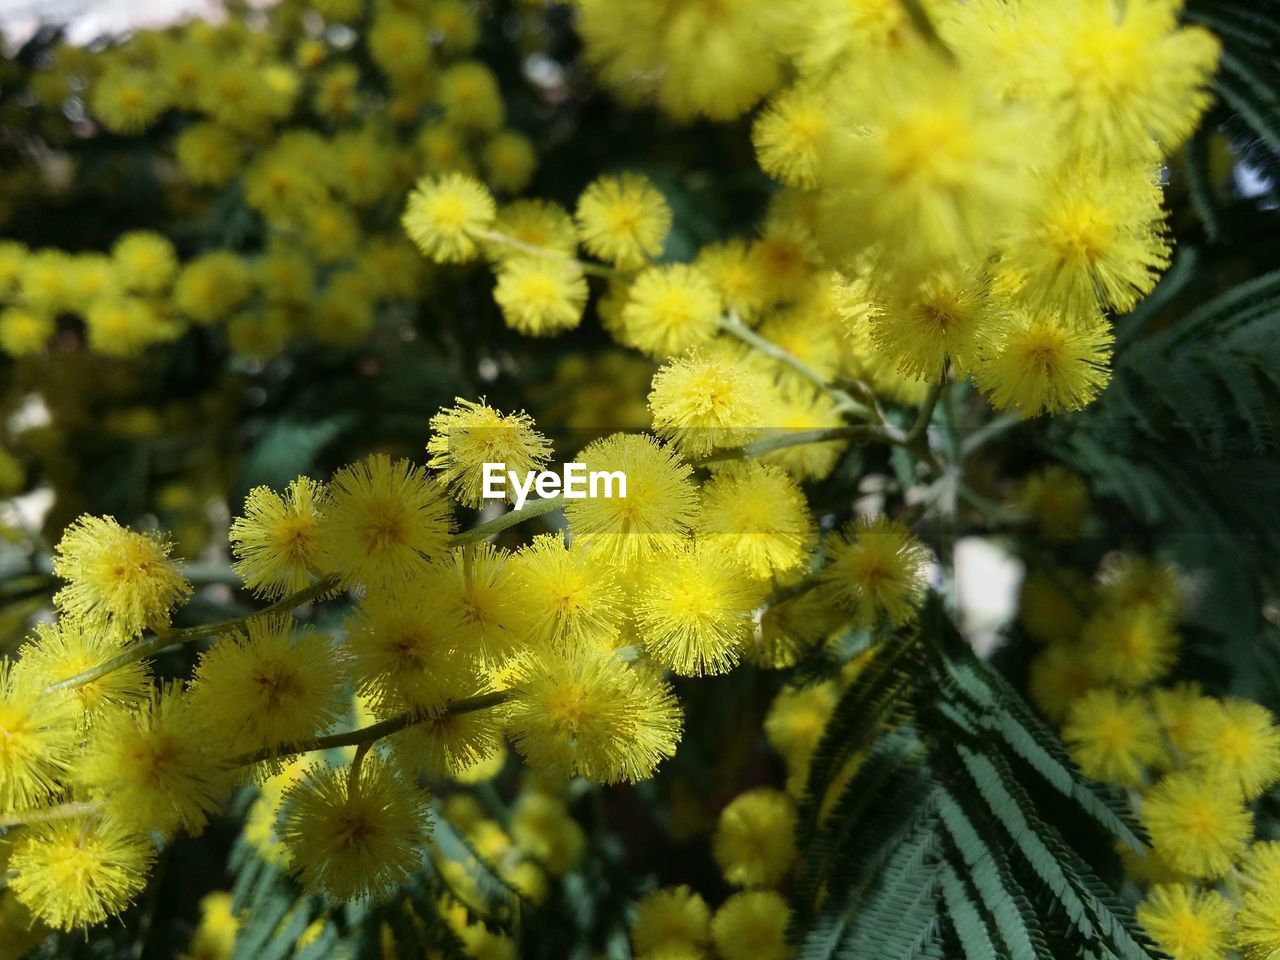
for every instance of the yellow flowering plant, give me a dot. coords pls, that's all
(498, 478)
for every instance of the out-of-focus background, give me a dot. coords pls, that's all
(88, 19)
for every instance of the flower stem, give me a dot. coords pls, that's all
(362, 739)
(509, 519)
(160, 641)
(367, 735)
(497, 236)
(844, 402)
(791, 438)
(63, 811)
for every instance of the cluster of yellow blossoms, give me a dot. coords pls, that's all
(1194, 765)
(971, 202)
(274, 117)
(965, 190)
(453, 644)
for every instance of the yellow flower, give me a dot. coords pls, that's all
(211, 286)
(797, 718)
(208, 153)
(1258, 921)
(451, 746)
(669, 309)
(1116, 76)
(1237, 740)
(802, 408)
(469, 94)
(737, 277)
(655, 516)
(1058, 501)
(145, 260)
(791, 627)
(398, 43)
(117, 580)
(541, 296)
(533, 223)
(509, 161)
(669, 920)
(355, 835)
(1094, 238)
(704, 401)
(1113, 737)
(948, 316)
(1199, 825)
(477, 586)
(444, 150)
(1132, 580)
(919, 174)
(789, 136)
(542, 827)
(215, 935)
(383, 522)
(468, 435)
(406, 651)
(1178, 708)
(68, 647)
(594, 716)
(128, 100)
(1046, 365)
(1129, 647)
(753, 842)
(276, 541)
(573, 597)
(38, 737)
(24, 332)
(752, 925)
(698, 58)
(156, 768)
(1188, 924)
(269, 687)
(1059, 676)
(45, 282)
(455, 23)
(125, 326)
(13, 257)
(281, 184)
(75, 872)
(623, 219)
(756, 514)
(444, 214)
(694, 610)
(877, 568)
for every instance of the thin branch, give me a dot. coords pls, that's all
(795, 438)
(362, 739)
(506, 240)
(844, 402)
(160, 641)
(63, 811)
(988, 432)
(920, 428)
(207, 574)
(509, 519)
(369, 734)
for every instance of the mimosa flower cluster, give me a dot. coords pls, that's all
(311, 138)
(975, 203)
(1196, 765)
(421, 704)
(453, 644)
